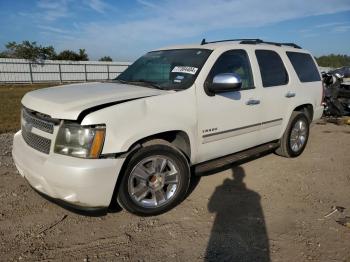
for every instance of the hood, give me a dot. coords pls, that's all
(67, 102)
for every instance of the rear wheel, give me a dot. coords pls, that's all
(156, 179)
(294, 139)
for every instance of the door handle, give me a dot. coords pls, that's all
(252, 102)
(290, 94)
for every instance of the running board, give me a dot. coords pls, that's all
(207, 166)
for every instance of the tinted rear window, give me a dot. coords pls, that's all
(304, 66)
(272, 70)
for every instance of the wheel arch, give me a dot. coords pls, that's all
(177, 138)
(307, 109)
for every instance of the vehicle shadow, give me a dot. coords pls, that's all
(239, 231)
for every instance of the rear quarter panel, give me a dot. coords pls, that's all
(306, 92)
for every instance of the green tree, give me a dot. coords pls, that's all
(33, 51)
(3, 55)
(67, 55)
(333, 60)
(28, 50)
(106, 59)
(73, 56)
(47, 53)
(83, 55)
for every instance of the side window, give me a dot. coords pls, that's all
(272, 70)
(304, 66)
(234, 61)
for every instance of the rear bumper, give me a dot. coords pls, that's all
(81, 183)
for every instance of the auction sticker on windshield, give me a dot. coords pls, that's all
(185, 69)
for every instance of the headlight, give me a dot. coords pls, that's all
(80, 141)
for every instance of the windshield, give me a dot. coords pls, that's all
(168, 69)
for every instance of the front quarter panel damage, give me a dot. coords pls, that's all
(129, 122)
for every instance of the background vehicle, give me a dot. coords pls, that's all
(135, 140)
(337, 95)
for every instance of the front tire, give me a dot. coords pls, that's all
(156, 179)
(294, 139)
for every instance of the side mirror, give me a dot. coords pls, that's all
(225, 82)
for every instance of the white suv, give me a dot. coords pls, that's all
(134, 139)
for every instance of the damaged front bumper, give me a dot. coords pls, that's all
(81, 183)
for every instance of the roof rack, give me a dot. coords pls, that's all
(252, 42)
(292, 45)
(204, 42)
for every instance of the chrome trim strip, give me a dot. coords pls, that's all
(240, 130)
(272, 123)
(230, 130)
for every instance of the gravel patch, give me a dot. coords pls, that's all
(5, 151)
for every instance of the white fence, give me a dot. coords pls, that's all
(26, 71)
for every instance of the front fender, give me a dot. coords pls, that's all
(132, 121)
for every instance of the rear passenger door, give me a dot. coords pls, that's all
(276, 94)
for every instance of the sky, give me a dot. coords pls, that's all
(125, 30)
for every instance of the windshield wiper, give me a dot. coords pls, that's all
(147, 82)
(120, 81)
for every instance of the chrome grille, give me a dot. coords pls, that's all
(39, 143)
(39, 123)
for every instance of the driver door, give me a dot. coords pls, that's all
(228, 122)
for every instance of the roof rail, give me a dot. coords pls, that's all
(252, 42)
(293, 45)
(204, 42)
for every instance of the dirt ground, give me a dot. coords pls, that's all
(271, 208)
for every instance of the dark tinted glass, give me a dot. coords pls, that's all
(304, 66)
(169, 69)
(272, 70)
(234, 61)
